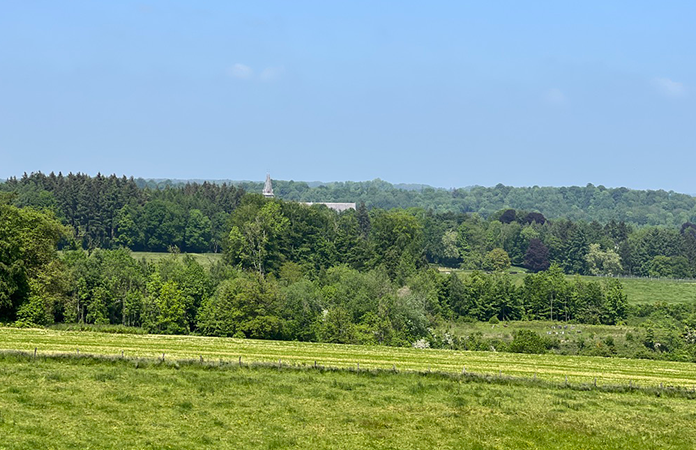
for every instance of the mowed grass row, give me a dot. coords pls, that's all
(577, 369)
(108, 404)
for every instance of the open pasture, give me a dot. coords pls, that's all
(109, 404)
(577, 369)
(641, 290)
(638, 290)
(204, 259)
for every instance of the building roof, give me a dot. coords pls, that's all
(335, 206)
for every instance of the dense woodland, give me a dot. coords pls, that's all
(111, 212)
(261, 294)
(296, 272)
(589, 203)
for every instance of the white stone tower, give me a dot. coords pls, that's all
(268, 187)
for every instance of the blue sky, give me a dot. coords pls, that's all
(443, 93)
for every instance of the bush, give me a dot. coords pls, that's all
(527, 341)
(98, 328)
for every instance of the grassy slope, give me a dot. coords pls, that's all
(651, 291)
(546, 367)
(204, 259)
(638, 290)
(504, 331)
(81, 404)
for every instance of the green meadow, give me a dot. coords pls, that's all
(548, 367)
(81, 402)
(204, 259)
(638, 290)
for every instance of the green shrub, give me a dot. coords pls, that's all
(527, 341)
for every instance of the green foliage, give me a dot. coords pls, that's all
(616, 302)
(106, 286)
(526, 341)
(254, 240)
(602, 262)
(397, 238)
(589, 231)
(337, 327)
(577, 203)
(164, 309)
(496, 260)
(302, 310)
(198, 234)
(245, 306)
(29, 271)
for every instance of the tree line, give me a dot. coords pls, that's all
(295, 272)
(577, 203)
(528, 239)
(177, 295)
(111, 212)
(284, 261)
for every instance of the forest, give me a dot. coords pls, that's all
(577, 203)
(294, 272)
(112, 212)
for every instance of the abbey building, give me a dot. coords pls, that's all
(268, 193)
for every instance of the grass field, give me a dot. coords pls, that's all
(641, 290)
(545, 367)
(505, 330)
(638, 290)
(108, 404)
(204, 259)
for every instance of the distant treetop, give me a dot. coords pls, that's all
(587, 203)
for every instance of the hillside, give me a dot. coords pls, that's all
(588, 203)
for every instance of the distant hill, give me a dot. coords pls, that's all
(588, 203)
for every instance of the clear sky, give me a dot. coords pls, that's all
(447, 93)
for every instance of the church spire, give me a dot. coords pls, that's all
(268, 187)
